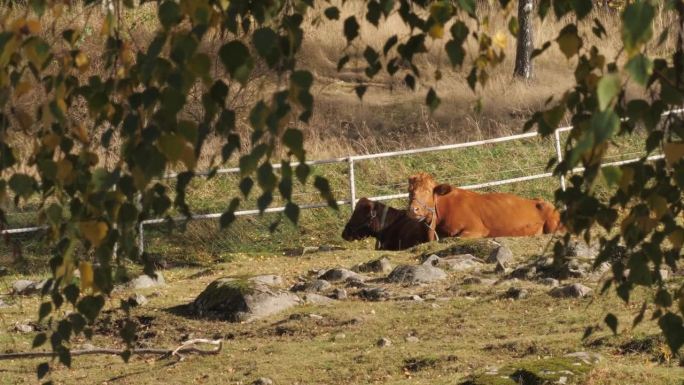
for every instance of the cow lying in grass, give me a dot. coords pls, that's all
(392, 228)
(455, 212)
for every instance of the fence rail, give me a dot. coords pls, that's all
(352, 159)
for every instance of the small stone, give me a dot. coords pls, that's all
(416, 298)
(380, 265)
(524, 272)
(317, 299)
(3, 304)
(355, 282)
(339, 337)
(339, 294)
(338, 274)
(314, 286)
(269, 280)
(549, 282)
(145, 281)
(24, 287)
(586, 357)
(515, 293)
(502, 255)
(429, 297)
(410, 274)
(575, 290)
(412, 339)
(137, 300)
(23, 328)
(374, 294)
(501, 268)
(263, 381)
(472, 281)
(384, 342)
(664, 274)
(316, 316)
(562, 380)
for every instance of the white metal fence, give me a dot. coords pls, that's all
(352, 159)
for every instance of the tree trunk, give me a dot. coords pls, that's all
(523, 55)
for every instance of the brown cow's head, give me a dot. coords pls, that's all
(364, 220)
(421, 200)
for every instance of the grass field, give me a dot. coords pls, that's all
(464, 332)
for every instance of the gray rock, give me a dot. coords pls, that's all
(374, 294)
(263, 381)
(23, 328)
(515, 293)
(339, 274)
(339, 294)
(317, 299)
(239, 300)
(3, 304)
(472, 280)
(137, 300)
(458, 263)
(549, 282)
(412, 339)
(524, 272)
(24, 287)
(380, 265)
(501, 268)
(582, 249)
(314, 286)
(409, 274)
(339, 337)
(384, 342)
(416, 298)
(355, 282)
(575, 290)
(145, 281)
(3, 271)
(502, 255)
(586, 357)
(269, 280)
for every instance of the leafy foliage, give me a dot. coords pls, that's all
(139, 100)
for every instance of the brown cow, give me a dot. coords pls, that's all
(392, 228)
(452, 212)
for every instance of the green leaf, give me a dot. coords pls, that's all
(582, 8)
(90, 307)
(292, 212)
(468, 6)
(351, 29)
(604, 125)
(228, 216)
(246, 185)
(612, 322)
(455, 52)
(42, 369)
(640, 68)
(569, 41)
(264, 201)
(342, 62)
(294, 140)
(513, 26)
(169, 14)
(323, 186)
(637, 25)
(360, 91)
(237, 60)
(302, 171)
(172, 146)
(373, 12)
(332, 13)
(39, 340)
(44, 310)
(391, 42)
(672, 327)
(127, 332)
(266, 43)
(607, 90)
(266, 178)
(612, 175)
(23, 185)
(432, 100)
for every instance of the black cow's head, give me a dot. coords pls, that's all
(364, 221)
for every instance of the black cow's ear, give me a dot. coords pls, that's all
(442, 189)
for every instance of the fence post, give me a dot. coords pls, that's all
(141, 238)
(560, 156)
(352, 185)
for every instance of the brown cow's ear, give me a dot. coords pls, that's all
(442, 189)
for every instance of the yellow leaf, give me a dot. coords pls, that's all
(64, 171)
(676, 238)
(87, 276)
(673, 152)
(436, 31)
(51, 141)
(82, 61)
(107, 24)
(94, 231)
(25, 120)
(33, 26)
(188, 157)
(659, 205)
(81, 133)
(500, 40)
(22, 88)
(627, 178)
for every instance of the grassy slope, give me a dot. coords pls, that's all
(470, 330)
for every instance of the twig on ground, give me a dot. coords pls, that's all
(186, 347)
